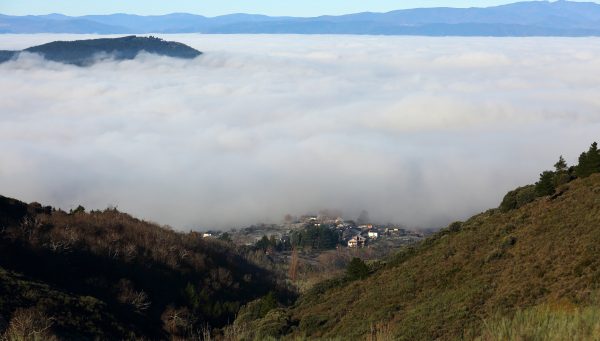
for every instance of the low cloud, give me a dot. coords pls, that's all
(420, 131)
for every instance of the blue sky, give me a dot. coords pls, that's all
(219, 7)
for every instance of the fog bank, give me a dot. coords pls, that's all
(420, 131)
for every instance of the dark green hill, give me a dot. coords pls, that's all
(526, 273)
(86, 52)
(106, 274)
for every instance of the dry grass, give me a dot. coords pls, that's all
(545, 323)
(494, 263)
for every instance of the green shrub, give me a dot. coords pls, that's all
(276, 323)
(455, 226)
(525, 195)
(257, 309)
(357, 269)
(518, 197)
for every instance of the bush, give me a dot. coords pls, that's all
(525, 195)
(177, 321)
(357, 269)
(257, 309)
(518, 197)
(275, 324)
(29, 324)
(455, 226)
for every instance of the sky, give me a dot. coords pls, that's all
(418, 131)
(219, 7)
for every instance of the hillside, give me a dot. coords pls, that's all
(106, 274)
(529, 18)
(537, 263)
(86, 52)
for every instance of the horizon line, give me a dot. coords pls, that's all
(292, 16)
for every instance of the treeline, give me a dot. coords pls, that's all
(312, 236)
(316, 237)
(549, 181)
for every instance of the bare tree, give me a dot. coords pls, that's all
(293, 271)
(29, 324)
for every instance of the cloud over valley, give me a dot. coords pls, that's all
(420, 131)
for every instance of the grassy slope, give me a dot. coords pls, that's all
(496, 263)
(546, 323)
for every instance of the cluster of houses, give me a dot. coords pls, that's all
(352, 234)
(360, 235)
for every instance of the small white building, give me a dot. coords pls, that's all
(373, 234)
(357, 241)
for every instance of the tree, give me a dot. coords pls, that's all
(263, 243)
(594, 158)
(561, 165)
(561, 175)
(226, 237)
(319, 237)
(293, 271)
(589, 162)
(545, 186)
(357, 269)
(582, 169)
(79, 209)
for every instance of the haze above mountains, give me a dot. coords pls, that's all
(534, 18)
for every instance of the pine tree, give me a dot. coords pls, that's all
(561, 165)
(594, 158)
(589, 162)
(545, 186)
(583, 168)
(561, 175)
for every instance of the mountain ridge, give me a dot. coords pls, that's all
(530, 18)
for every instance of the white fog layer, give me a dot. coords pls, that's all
(419, 131)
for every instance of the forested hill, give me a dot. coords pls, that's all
(528, 270)
(86, 52)
(106, 275)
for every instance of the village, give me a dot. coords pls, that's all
(343, 232)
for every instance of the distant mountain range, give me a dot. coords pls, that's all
(533, 18)
(86, 52)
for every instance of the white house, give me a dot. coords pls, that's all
(373, 234)
(357, 241)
